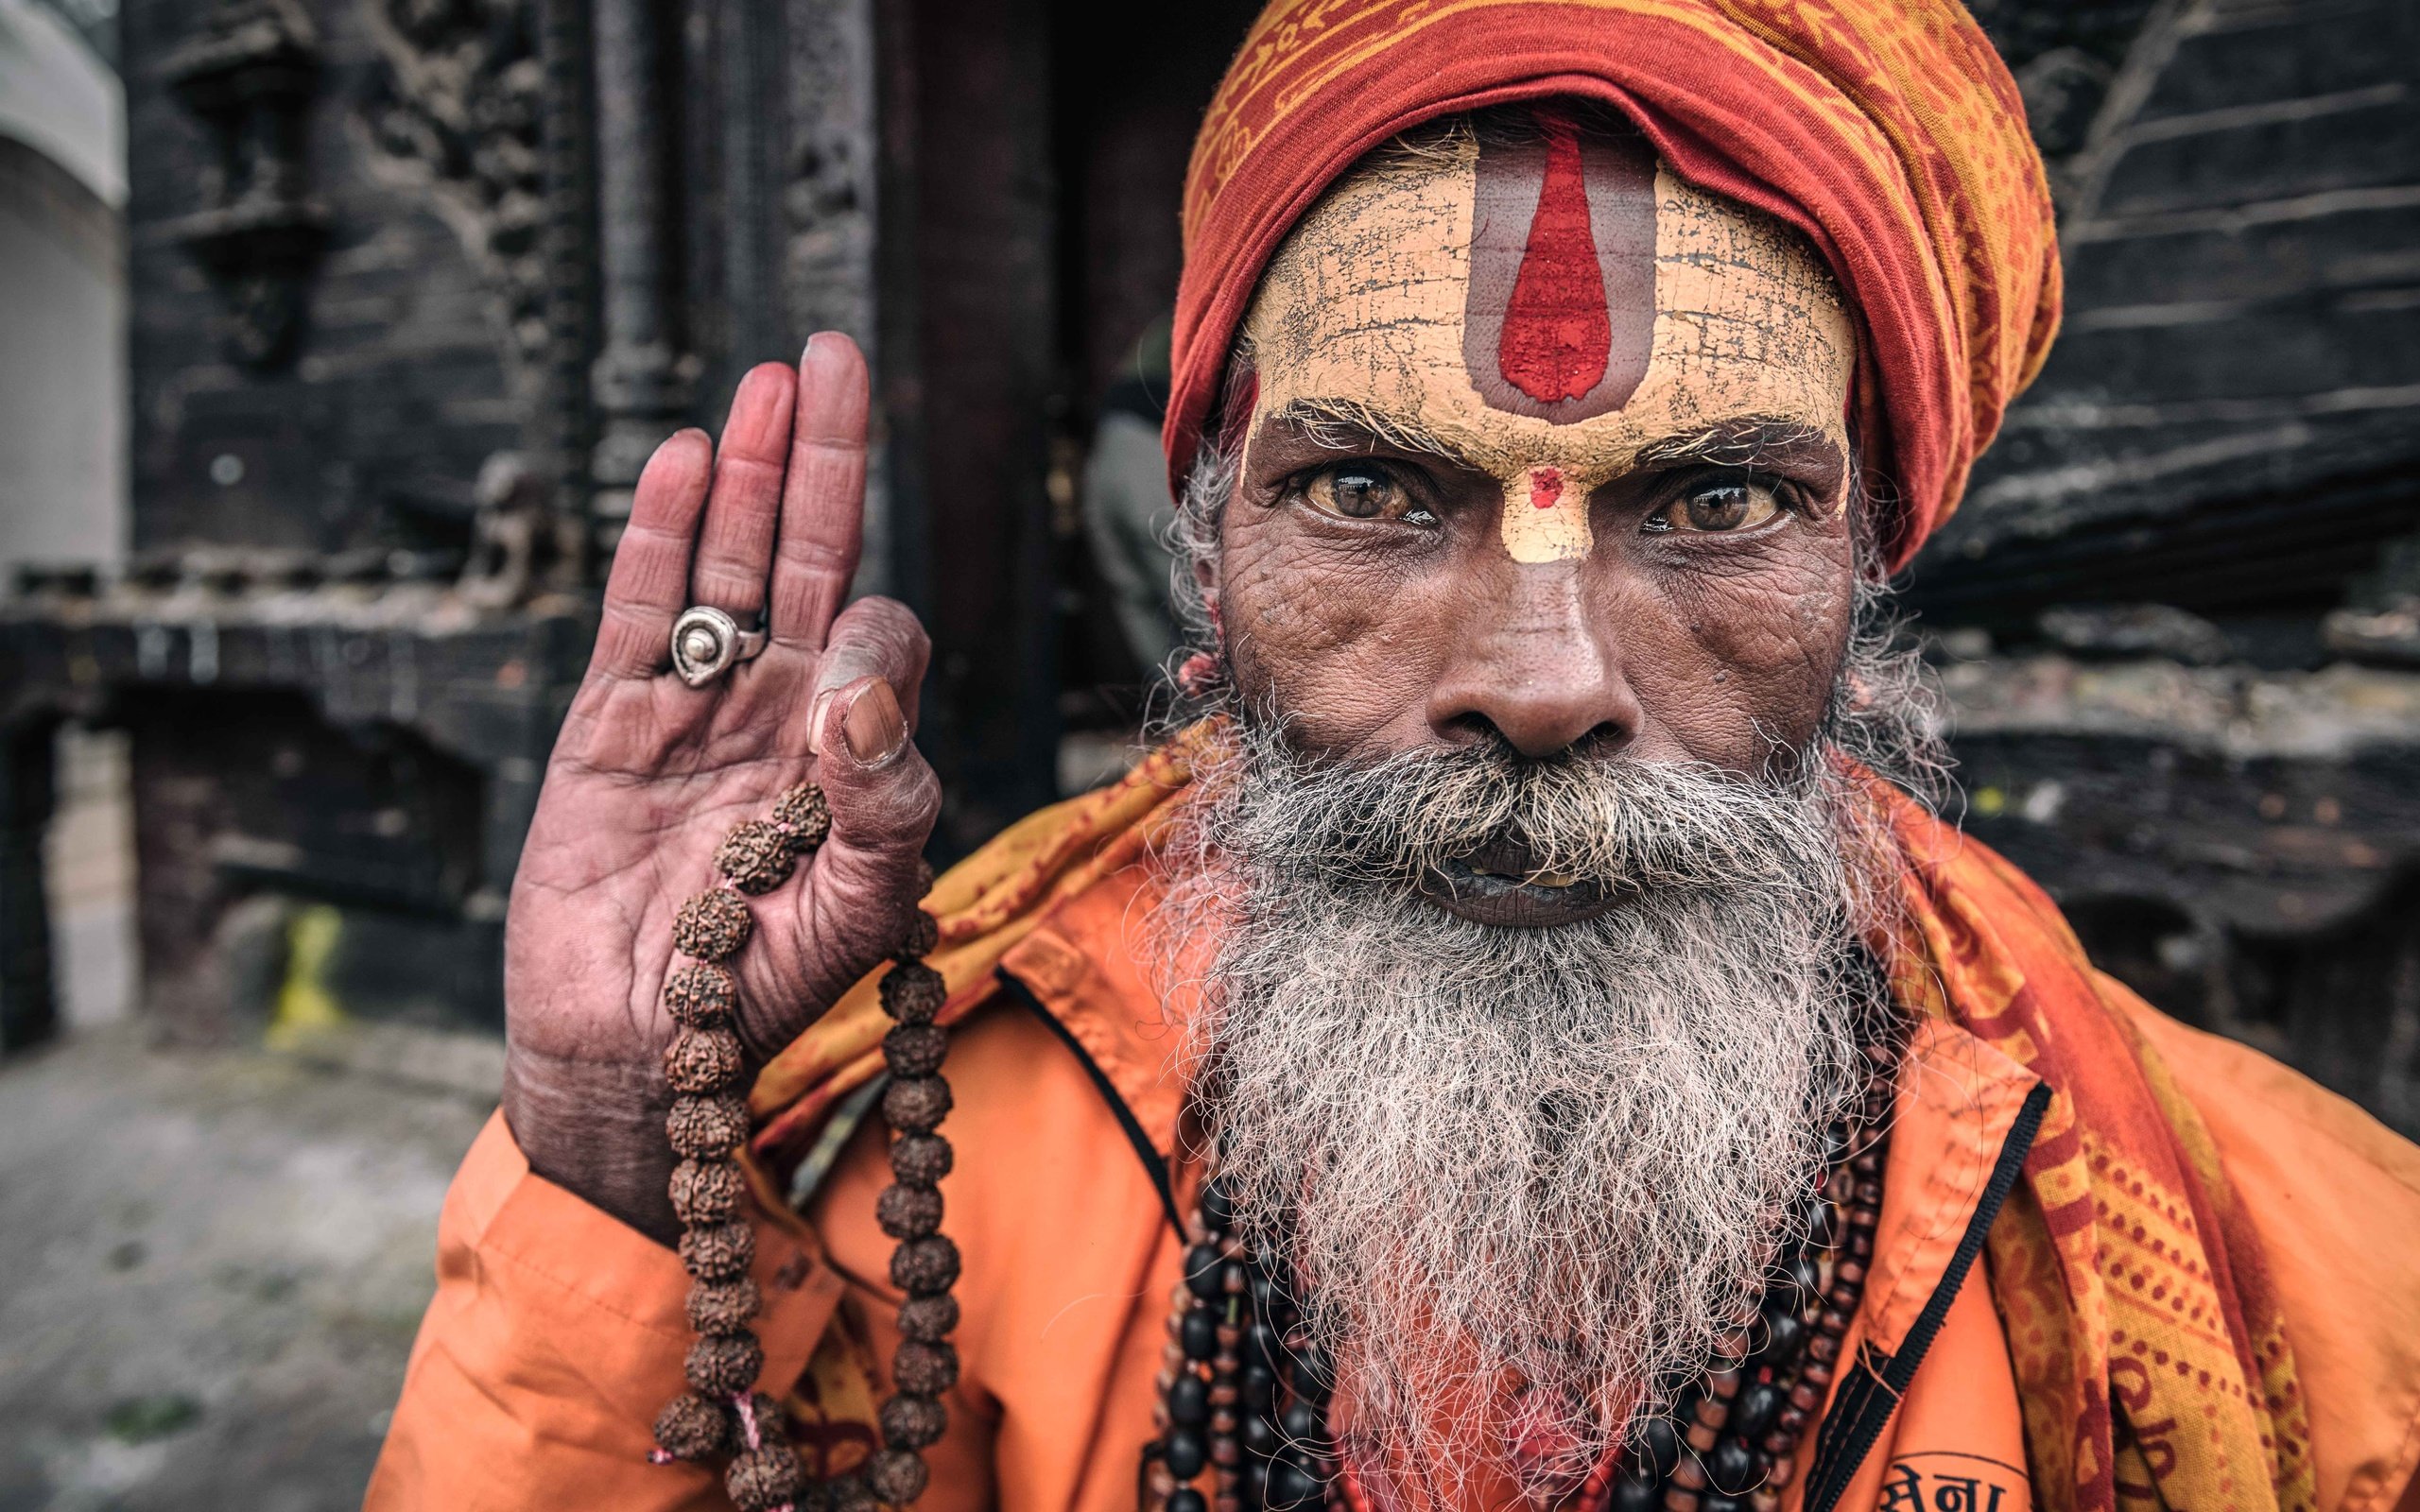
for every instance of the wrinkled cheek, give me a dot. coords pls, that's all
(1704, 706)
(1766, 654)
(1328, 646)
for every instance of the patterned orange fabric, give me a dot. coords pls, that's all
(2131, 1273)
(2123, 1267)
(1887, 130)
(984, 905)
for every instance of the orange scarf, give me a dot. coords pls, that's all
(2124, 1269)
(2121, 1267)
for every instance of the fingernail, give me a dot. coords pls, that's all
(873, 726)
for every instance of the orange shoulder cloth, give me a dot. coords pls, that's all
(2124, 1264)
(985, 904)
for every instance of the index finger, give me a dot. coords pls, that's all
(824, 497)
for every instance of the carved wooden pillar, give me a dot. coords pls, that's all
(567, 419)
(973, 540)
(845, 166)
(249, 73)
(642, 379)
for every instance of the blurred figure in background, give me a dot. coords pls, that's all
(1127, 510)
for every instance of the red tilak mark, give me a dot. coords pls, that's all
(1546, 486)
(1557, 332)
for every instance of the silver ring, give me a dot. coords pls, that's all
(707, 642)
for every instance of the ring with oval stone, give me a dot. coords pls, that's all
(707, 642)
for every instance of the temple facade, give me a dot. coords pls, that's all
(416, 285)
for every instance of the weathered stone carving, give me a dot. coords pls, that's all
(249, 73)
(460, 113)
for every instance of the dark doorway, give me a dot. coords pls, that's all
(1048, 158)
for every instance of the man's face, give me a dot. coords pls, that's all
(1548, 442)
(1541, 558)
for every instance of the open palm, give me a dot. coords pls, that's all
(649, 774)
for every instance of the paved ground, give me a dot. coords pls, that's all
(211, 1266)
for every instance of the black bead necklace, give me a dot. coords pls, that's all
(1242, 1415)
(1243, 1392)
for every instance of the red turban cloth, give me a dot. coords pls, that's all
(1887, 130)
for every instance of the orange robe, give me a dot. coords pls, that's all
(2031, 1265)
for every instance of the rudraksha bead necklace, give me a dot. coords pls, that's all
(722, 1413)
(1242, 1415)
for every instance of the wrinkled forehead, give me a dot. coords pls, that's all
(1558, 290)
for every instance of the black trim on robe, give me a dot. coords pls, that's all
(1155, 1165)
(1867, 1398)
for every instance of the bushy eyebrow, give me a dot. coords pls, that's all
(1767, 443)
(1350, 426)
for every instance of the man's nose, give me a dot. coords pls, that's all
(1532, 663)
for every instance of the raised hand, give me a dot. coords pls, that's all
(649, 774)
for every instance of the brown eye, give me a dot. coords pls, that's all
(1359, 491)
(1711, 509)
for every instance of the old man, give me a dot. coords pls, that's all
(1523, 1039)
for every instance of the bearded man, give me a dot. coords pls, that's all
(1523, 1041)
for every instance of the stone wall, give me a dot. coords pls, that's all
(2177, 614)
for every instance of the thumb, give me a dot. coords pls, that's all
(884, 798)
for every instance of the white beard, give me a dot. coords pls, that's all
(1553, 1157)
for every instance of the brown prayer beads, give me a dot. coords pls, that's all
(765, 1477)
(1243, 1396)
(806, 817)
(926, 1265)
(913, 1422)
(725, 1365)
(757, 857)
(1730, 1442)
(706, 1191)
(713, 926)
(915, 1105)
(912, 993)
(703, 1060)
(723, 1307)
(909, 1212)
(704, 1128)
(705, 1065)
(719, 1251)
(701, 996)
(692, 1428)
(920, 1157)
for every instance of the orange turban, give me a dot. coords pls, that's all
(1887, 130)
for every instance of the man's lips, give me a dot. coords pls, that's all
(1501, 883)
